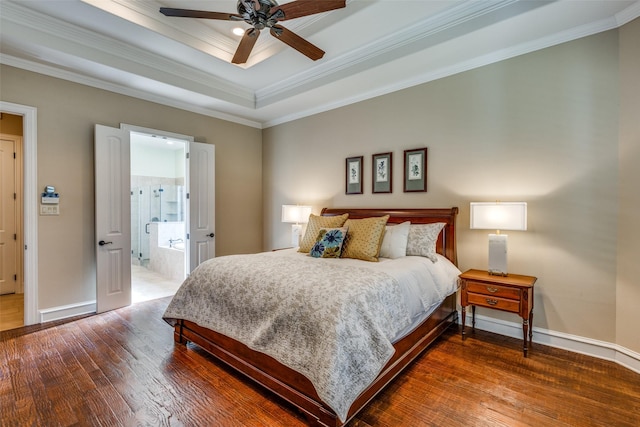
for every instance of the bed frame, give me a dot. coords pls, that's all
(295, 387)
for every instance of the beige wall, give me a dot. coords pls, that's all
(628, 290)
(540, 128)
(67, 113)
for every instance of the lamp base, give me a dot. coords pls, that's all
(296, 229)
(498, 254)
(497, 273)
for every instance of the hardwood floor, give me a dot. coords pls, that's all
(11, 311)
(145, 285)
(121, 368)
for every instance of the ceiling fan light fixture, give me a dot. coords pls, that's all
(238, 31)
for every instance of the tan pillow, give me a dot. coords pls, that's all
(315, 224)
(364, 238)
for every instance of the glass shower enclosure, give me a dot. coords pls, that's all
(152, 203)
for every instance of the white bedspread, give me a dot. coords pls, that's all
(333, 320)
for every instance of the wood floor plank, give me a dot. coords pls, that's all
(122, 368)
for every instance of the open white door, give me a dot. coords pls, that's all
(113, 218)
(201, 204)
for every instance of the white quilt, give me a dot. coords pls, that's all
(333, 320)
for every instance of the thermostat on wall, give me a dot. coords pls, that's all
(50, 197)
(50, 200)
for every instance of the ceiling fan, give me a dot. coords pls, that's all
(266, 13)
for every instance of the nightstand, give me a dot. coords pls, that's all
(512, 293)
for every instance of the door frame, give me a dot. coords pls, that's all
(30, 199)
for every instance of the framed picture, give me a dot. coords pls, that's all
(415, 170)
(381, 173)
(354, 175)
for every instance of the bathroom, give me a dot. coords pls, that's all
(158, 233)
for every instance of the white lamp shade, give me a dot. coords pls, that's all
(296, 214)
(499, 215)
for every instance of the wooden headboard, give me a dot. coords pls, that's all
(446, 244)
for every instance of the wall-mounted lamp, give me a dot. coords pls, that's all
(296, 215)
(498, 216)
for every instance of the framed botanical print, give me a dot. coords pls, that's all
(415, 170)
(381, 173)
(353, 175)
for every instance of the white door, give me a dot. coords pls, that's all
(113, 218)
(201, 204)
(8, 231)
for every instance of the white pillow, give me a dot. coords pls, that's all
(422, 240)
(394, 242)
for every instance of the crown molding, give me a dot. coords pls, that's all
(480, 61)
(122, 90)
(380, 50)
(628, 14)
(146, 14)
(107, 51)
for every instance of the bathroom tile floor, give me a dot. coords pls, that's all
(147, 285)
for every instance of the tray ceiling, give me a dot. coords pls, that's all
(372, 47)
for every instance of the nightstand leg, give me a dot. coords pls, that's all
(525, 331)
(464, 319)
(530, 328)
(473, 318)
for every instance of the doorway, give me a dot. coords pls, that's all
(158, 215)
(29, 204)
(113, 210)
(11, 228)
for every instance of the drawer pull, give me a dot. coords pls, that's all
(492, 301)
(492, 289)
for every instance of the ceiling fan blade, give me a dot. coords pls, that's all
(187, 13)
(246, 45)
(297, 42)
(299, 8)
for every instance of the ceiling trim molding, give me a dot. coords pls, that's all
(372, 53)
(493, 57)
(69, 37)
(122, 90)
(629, 14)
(147, 14)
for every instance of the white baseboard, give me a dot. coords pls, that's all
(590, 347)
(65, 311)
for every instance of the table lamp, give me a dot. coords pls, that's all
(498, 216)
(297, 215)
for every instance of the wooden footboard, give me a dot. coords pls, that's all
(295, 387)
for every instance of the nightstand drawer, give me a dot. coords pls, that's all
(492, 301)
(493, 290)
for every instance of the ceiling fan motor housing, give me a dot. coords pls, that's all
(256, 12)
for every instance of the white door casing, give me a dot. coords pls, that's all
(8, 211)
(30, 206)
(201, 203)
(113, 218)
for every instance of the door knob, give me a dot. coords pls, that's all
(210, 235)
(102, 243)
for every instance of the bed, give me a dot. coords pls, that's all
(294, 376)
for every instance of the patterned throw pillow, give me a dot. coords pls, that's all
(394, 241)
(364, 238)
(329, 243)
(315, 224)
(422, 240)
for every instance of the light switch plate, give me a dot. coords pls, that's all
(49, 209)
